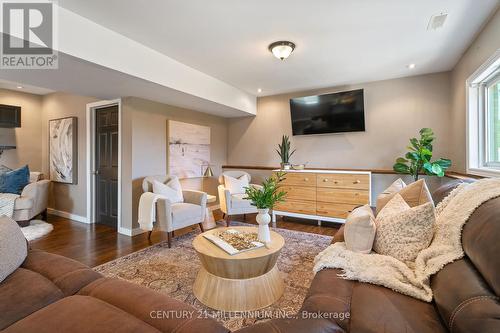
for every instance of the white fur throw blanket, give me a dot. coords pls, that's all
(413, 279)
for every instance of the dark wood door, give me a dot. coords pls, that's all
(106, 157)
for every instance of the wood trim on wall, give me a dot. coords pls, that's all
(451, 174)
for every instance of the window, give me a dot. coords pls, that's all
(483, 119)
(493, 124)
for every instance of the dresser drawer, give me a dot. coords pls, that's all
(300, 179)
(342, 195)
(340, 180)
(334, 209)
(300, 207)
(300, 193)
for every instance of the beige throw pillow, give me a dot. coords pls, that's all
(359, 230)
(171, 190)
(404, 231)
(236, 185)
(414, 194)
(13, 247)
(384, 197)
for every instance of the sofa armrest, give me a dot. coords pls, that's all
(294, 326)
(39, 193)
(164, 215)
(195, 197)
(224, 199)
(164, 313)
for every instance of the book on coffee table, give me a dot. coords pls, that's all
(233, 241)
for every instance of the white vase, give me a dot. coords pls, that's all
(263, 218)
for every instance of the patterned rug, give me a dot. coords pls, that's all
(173, 271)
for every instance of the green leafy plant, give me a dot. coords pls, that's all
(269, 194)
(418, 159)
(284, 150)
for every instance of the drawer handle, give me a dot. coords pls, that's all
(356, 193)
(306, 179)
(325, 180)
(357, 181)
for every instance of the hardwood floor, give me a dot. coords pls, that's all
(94, 244)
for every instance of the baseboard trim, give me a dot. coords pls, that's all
(67, 215)
(130, 232)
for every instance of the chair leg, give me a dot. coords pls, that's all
(169, 239)
(228, 220)
(44, 215)
(149, 234)
(244, 217)
(173, 233)
(201, 227)
(223, 216)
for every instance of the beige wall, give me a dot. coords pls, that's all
(28, 136)
(144, 147)
(67, 197)
(485, 45)
(395, 110)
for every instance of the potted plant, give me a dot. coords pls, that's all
(284, 152)
(264, 198)
(418, 159)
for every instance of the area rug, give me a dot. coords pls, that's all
(173, 271)
(37, 229)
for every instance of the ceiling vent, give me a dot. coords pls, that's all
(437, 21)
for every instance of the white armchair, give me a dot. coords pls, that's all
(32, 201)
(173, 216)
(234, 204)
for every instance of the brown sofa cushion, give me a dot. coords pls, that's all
(142, 302)
(378, 309)
(67, 274)
(372, 308)
(80, 314)
(24, 292)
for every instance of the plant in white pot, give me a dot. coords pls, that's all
(264, 198)
(285, 152)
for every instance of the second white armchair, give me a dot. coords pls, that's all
(233, 202)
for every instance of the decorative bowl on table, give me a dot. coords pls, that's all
(298, 166)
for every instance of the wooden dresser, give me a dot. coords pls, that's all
(323, 195)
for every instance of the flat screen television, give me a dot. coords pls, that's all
(330, 113)
(10, 116)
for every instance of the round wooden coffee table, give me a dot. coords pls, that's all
(242, 282)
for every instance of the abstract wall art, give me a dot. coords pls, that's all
(63, 158)
(188, 149)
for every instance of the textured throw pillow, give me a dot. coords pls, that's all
(14, 181)
(404, 231)
(171, 190)
(13, 247)
(414, 194)
(359, 230)
(384, 197)
(236, 185)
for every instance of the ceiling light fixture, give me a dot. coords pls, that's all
(411, 66)
(20, 87)
(282, 49)
(259, 90)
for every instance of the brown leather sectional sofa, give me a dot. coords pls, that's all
(50, 293)
(466, 291)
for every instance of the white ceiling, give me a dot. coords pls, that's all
(23, 87)
(338, 41)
